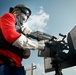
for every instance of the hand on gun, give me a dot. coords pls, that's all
(26, 30)
(42, 43)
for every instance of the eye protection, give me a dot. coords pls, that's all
(26, 11)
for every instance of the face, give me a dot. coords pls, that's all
(24, 17)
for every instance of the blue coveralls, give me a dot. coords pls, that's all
(4, 70)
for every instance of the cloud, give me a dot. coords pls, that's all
(38, 21)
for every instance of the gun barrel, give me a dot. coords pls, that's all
(40, 36)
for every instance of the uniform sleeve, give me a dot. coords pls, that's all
(8, 27)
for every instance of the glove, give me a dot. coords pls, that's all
(26, 54)
(41, 45)
(26, 30)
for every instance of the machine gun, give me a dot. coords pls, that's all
(52, 41)
(55, 46)
(41, 36)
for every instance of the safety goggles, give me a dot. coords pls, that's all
(26, 11)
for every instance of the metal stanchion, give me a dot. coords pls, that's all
(31, 68)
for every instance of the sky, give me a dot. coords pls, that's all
(49, 16)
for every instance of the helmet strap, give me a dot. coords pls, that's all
(19, 20)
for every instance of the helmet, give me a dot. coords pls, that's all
(24, 9)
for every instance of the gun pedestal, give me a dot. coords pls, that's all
(57, 61)
(58, 72)
(57, 65)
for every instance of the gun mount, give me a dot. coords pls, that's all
(55, 59)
